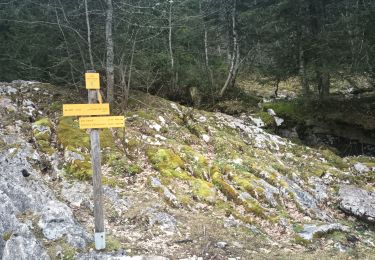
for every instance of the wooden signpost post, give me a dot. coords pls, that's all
(94, 123)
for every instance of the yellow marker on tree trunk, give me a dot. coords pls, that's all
(92, 80)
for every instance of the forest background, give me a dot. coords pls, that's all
(183, 48)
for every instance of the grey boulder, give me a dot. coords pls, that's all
(358, 202)
(310, 231)
(57, 220)
(23, 245)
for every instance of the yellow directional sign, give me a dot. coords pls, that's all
(101, 122)
(92, 81)
(85, 109)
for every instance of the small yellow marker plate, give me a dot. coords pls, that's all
(85, 109)
(92, 81)
(101, 122)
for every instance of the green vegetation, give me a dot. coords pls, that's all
(112, 244)
(168, 163)
(43, 137)
(44, 122)
(224, 187)
(298, 228)
(69, 134)
(334, 159)
(294, 111)
(267, 119)
(303, 47)
(7, 235)
(81, 170)
(301, 241)
(119, 164)
(204, 191)
(67, 253)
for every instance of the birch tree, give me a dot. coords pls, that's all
(235, 54)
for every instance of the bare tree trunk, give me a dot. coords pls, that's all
(326, 82)
(127, 90)
(323, 80)
(209, 70)
(123, 69)
(81, 52)
(170, 45)
(170, 35)
(67, 47)
(277, 84)
(235, 57)
(110, 53)
(206, 45)
(89, 35)
(302, 74)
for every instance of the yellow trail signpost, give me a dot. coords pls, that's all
(85, 110)
(101, 122)
(96, 121)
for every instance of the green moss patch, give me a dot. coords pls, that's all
(81, 170)
(334, 159)
(204, 191)
(247, 184)
(112, 244)
(294, 111)
(71, 137)
(106, 139)
(7, 235)
(165, 159)
(224, 187)
(42, 134)
(69, 134)
(67, 252)
(44, 122)
(196, 162)
(267, 119)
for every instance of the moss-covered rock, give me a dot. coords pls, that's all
(44, 122)
(69, 134)
(168, 163)
(267, 119)
(294, 111)
(224, 187)
(196, 162)
(204, 191)
(334, 159)
(165, 158)
(42, 131)
(246, 183)
(61, 249)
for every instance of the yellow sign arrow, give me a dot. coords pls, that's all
(101, 122)
(85, 109)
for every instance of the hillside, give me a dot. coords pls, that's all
(179, 183)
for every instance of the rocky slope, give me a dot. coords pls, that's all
(179, 183)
